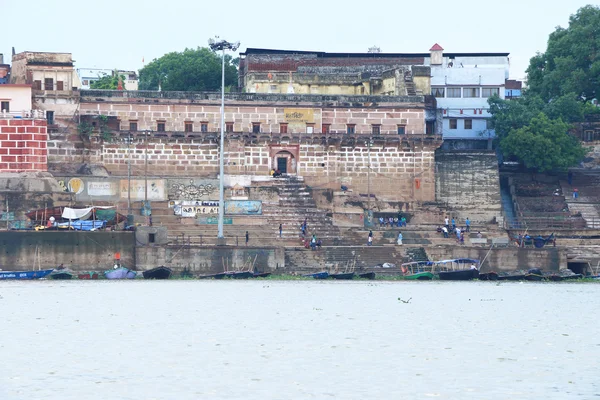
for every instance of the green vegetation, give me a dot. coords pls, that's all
(189, 70)
(561, 84)
(109, 82)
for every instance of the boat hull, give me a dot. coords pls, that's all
(459, 275)
(88, 276)
(534, 277)
(519, 277)
(318, 275)
(344, 276)
(120, 273)
(25, 275)
(158, 273)
(419, 276)
(61, 276)
(488, 276)
(367, 275)
(261, 275)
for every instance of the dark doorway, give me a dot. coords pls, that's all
(151, 237)
(282, 164)
(578, 267)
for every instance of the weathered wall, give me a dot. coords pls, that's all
(504, 259)
(23, 145)
(468, 181)
(80, 251)
(206, 260)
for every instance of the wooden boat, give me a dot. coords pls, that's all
(344, 275)
(318, 275)
(87, 275)
(419, 276)
(367, 275)
(230, 274)
(25, 275)
(488, 276)
(261, 274)
(61, 275)
(161, 272)
(120, 273)
(512, 277)
(459, 275)
(534, 277)
(574, 276)
(458, 269)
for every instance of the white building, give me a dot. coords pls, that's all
(89, 75)
(462, 84)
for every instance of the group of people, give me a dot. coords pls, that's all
(275, 173)
(313, 243)
(370, 238)
(450, 227)
(391, 221)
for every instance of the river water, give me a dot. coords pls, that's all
(104, 340)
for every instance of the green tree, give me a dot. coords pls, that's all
(571, 64)
(543, 145)
(109, 82)
(189, 70)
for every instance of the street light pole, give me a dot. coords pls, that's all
(222, 45)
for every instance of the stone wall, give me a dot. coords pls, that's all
(23, 145)
(79, 251)
(468, 183)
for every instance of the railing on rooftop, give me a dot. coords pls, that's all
(25, 114)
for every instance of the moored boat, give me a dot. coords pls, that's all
(261, 274)
(120, 273)
(25, 275)
(161, 272)
(343, 275)
(318, 275)
(87, 275)
(367, 275)
(459, 275)
(511, 277)
(61, 275)
(419, 276)
(488, 276)
(534, 277)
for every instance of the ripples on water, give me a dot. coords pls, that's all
(261, 340)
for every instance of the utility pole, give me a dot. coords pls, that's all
(146, 169)
(128, 175)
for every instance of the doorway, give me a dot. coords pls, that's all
(282, 164)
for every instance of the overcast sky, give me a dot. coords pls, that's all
(120, 33)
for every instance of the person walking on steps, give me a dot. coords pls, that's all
(370, 239)
(468, 224)
(399, 238)
(280, 230)
(247, 238)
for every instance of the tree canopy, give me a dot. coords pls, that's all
(560, 86)
(108, 82)
(543, 144)
(190, 70)
(571, 63)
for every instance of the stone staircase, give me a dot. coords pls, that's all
(411, 89)
(586, 204)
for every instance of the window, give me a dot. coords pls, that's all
(429, 127)
(376, 129)
(283, 128)
(37, 85)
(350, 129)
(325, 128)
(489, 92)
(151, 237)
(438, 92)
(160, 126)
(453, 93)
(310, 128)
(468, 124)
(256, 127)
(50, 117)
(470, 92)
(188, 126)
(204, 127)
(85, 82)
(5, 106)
(228, 126)
(401, 130)
(59, 85)
(273, 89)
(48, 84)
(453, 123)
(133, 126)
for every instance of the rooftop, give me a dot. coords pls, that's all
(322, 54)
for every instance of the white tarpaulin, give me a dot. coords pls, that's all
(79, 213)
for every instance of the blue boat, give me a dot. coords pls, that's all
(318, 275)
(25, 274)
(120, 273)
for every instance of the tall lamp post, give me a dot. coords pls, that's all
(215, 45)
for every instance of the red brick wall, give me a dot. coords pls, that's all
(23, 145)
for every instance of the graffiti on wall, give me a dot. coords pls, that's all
(190, 191)
(243, 207)
(193, 209)
(137, 189)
